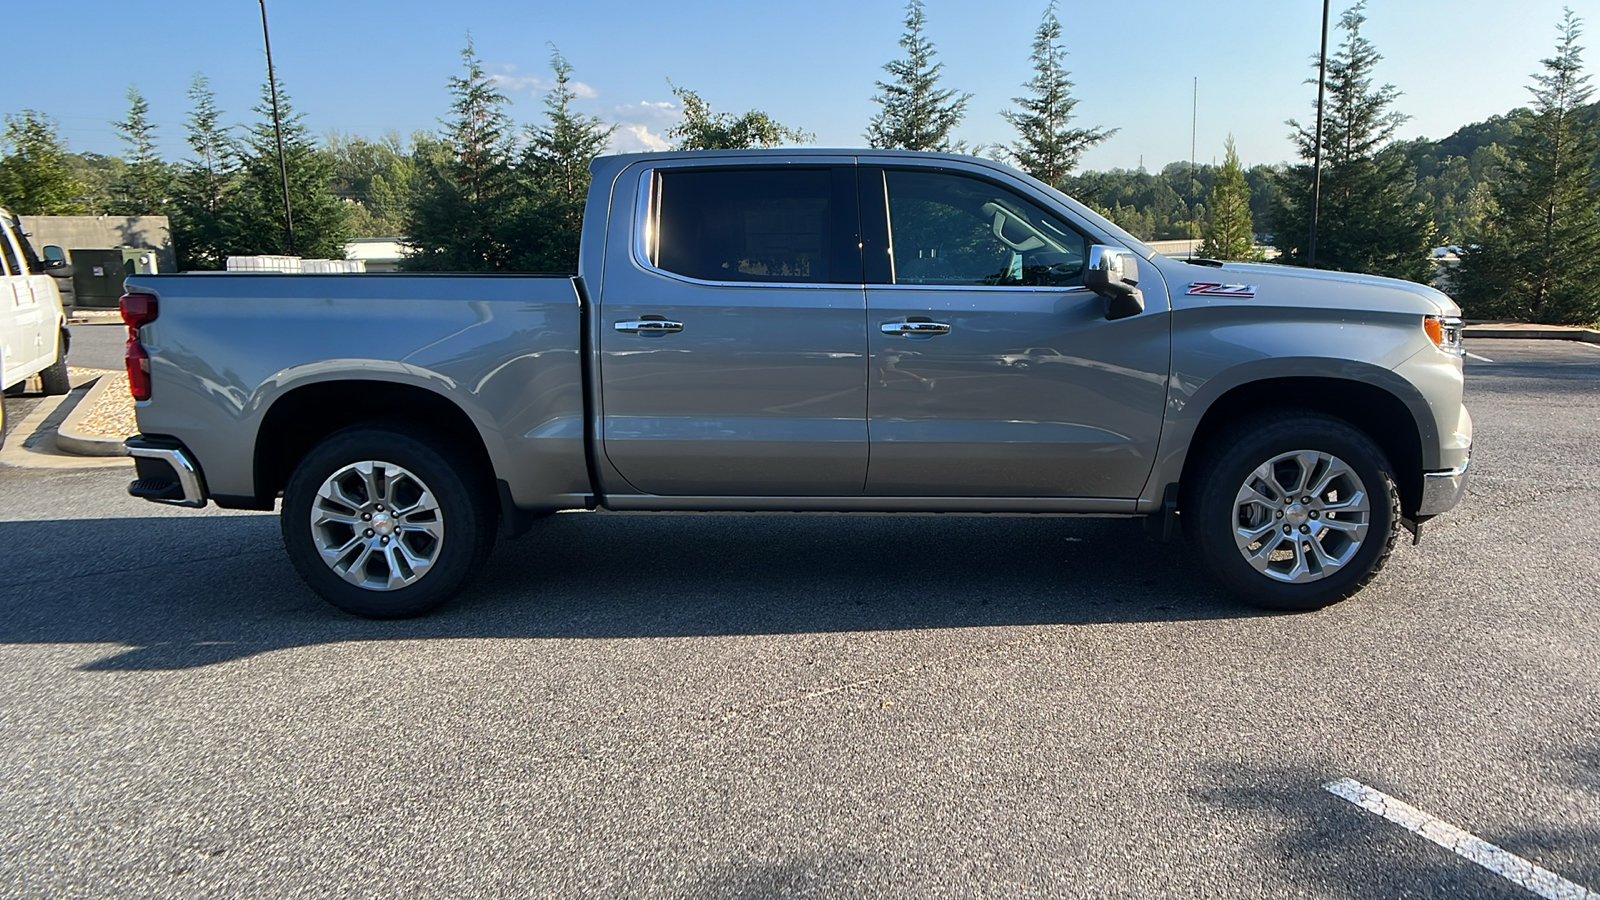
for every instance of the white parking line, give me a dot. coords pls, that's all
(1477, 357)
(1507, 865)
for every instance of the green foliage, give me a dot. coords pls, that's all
(206, 220)
(35, 178)
(1228, 230)
(1540, 255)
(555, 179)
(1048, 147)
(465, 184)
(701, 129)
(374, 179)
(320, 227)
(1368, 220)
(915, 113)
(1167, 205)
(95, 174)
(143, 186)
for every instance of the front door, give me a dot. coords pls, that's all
(732, 334)
(994, 371)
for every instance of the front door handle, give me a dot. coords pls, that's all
(649, 326)
(915, 328)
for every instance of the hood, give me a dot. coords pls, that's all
(1292, 286)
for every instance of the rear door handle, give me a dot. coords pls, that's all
(649, 326)
(915, 328)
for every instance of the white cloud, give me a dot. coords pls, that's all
(640, 125)
(508, 80)
(636, 138)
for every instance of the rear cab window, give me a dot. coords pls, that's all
(754, 224)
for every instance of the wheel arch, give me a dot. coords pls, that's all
(1373, 408)
(302, 417)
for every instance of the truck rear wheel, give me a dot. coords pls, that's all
(1295, 511)
(382, 522)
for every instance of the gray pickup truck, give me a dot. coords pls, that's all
(801, 331)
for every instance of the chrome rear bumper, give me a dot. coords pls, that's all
(169, 476)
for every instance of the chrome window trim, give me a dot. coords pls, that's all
(1029, 288)
(647, 211)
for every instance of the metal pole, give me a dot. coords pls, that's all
(1194, 130)
(277, 130)
(1316, 159)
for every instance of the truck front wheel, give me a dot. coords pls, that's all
(1295, 511)
(383, 523)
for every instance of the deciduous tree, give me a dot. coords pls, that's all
(35, 179)
(702, 129)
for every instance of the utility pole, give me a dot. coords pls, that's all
(277, 130)
(1316, 158)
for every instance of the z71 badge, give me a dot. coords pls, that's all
(1225, 290)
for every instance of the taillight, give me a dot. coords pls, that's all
(138, 310)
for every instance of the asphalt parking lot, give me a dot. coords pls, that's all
(809, 705)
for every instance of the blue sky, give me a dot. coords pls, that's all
(365, 68)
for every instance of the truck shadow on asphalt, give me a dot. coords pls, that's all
(183, 591)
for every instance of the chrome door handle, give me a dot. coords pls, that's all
(649, 326)
(911, 328)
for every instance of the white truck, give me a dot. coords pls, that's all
(33, 326)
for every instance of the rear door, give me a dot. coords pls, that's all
(995, 371)
(732, 331)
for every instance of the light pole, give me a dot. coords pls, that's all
(277, 130)
(1316, 158)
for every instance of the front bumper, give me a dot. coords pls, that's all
(167, 472)
(1441, 491)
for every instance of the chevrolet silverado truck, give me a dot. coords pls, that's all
(808, 330)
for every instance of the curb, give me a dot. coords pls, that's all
(70, 438)
(1532, 332)
(32, 444)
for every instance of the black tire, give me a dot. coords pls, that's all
(2, 422)
(1211, 516)
(55, 379)
(465, 509)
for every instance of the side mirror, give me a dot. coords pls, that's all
(55, 259)
(1113, 273)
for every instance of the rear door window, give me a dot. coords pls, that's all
(750, 224)
(13, 267)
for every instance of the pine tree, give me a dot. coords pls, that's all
(702, 129)
(1228, 230)
(1540, 256)
(555, 179)
(146, 182)
(915, 113)
(35, 178)
(1368, 221)
(320, 224)
(466, 185)
(1048, 147)
(204, 211)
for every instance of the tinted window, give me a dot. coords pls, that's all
(952, 229)
(759, 225)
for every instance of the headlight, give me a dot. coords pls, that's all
(1445, 332)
